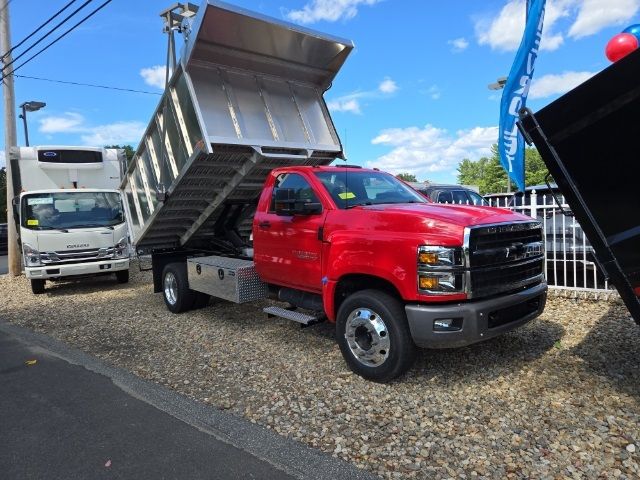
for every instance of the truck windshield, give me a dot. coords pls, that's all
(351, 188)
(77, 209)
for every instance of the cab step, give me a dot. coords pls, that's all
(302, 318)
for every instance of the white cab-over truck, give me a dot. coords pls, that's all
(69, 213)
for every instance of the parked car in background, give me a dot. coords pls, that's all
(3, 239)
(452, 194)
(569, 253)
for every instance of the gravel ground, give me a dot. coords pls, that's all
(558, 398)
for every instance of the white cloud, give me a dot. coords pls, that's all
(328, 10)
(351, 103)
(434, 92)
(68, 123)
(594, 15)
(504, 32)
(458, 44)
(549, 85)
(345, 104)
(75, 123)
(154, 76)
(430, 149)
(114, 133)
(3, 162)
(388, 86)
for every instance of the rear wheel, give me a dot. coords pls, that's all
(175, 288)
(122, 276)
(37, 286)
(374, 336)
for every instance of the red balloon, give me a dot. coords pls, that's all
(620, 46)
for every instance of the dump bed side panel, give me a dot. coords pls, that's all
(246, 98)
(589, 141)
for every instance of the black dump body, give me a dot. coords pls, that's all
(590, 142)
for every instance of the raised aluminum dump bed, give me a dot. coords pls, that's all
(245, 98)
(589, 140)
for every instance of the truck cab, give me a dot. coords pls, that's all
(70, 223)
(360, 240)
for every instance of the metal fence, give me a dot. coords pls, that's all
(569, 258)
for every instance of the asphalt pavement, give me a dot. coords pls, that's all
(3, 264)
(67, 415)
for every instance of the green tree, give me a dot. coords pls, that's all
(407, 177)
(3, 195)
(488, 174)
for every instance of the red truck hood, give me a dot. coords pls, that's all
(422, 222)
(460, 215)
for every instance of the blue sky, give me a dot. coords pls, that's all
(412, 97)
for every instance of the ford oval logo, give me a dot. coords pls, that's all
(49, 154)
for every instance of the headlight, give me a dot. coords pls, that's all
(31, 256)
(441, 282)
(440, 270)
(433, 256)
(122, 248)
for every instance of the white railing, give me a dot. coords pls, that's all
(569, 256)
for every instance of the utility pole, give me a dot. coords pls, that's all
(10, 137)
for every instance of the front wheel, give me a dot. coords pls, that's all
(175, 288)
(122, 276)
(37, 286)
(374, 336)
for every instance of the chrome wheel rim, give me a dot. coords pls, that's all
(367, 337)
(171, 288)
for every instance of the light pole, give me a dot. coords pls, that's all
(31, 106)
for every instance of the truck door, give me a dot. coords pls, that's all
(287, 247)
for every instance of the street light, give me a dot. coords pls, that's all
(499, 84)
(31, 106)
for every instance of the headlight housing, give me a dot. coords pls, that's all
(436, 256)
(441, 270)
(31, 256)
(122, 248)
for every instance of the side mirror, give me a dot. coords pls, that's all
(311, 208)
(287, 205)
(285, 200)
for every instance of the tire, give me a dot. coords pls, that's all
(37, 286)
(201, 301)
(372, 318)
(122, 276)
(175, 288)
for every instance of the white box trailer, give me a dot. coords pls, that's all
(69, 212)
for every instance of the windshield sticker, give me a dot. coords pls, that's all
(346, 195)
(40, 201)
(32, 223)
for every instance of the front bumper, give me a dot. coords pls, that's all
(481, 319)
(73, 269)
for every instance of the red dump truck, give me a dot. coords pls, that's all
(231, 193)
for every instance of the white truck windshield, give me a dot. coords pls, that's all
(77, 209)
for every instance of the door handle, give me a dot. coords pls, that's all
(264, 224)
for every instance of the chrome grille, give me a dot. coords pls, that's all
(504, 257)
(84, 255)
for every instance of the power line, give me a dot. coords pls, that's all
(46, 35)
(39, 28)
(107, 87)
(62, 36)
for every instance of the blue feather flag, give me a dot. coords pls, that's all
(516, 90)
